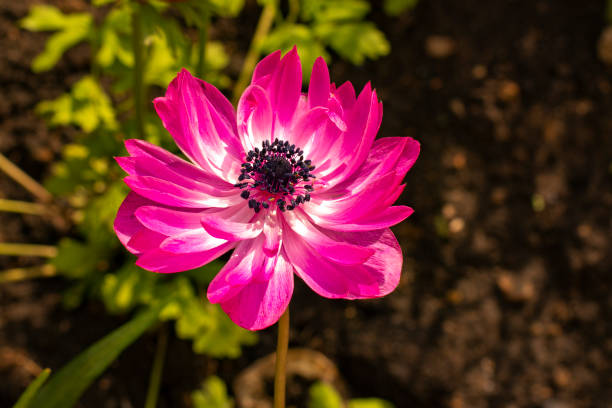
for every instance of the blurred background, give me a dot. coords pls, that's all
(505, 294)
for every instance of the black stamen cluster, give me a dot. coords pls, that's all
(276, 168)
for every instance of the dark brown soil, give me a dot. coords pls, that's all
(505, 298)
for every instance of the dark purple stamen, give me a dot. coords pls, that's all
(276, 168)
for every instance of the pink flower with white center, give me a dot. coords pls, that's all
(292, 182)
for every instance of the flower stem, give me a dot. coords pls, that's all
(137, 44)
(263, 27)
(203, 38)
(280, 371)
(157, 370)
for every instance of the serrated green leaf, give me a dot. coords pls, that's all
(70, 30)
(323, 395)
(354, 41)
(369, 403)
(213, 394)
(32, 389)
(66, 386)
(397, 7)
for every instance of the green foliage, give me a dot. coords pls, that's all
(337, 24)
(211, 331)
(323, 395)
(397, 7)
(213, 394)
(66, 386)
(25, 398)
(70, 29)
(86, 106)
(369, 403)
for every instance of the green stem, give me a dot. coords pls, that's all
(294, 11)
(263, 28)
(202, 40)
(280, 370)
(20, 274)
(23, 207)
(157, 370)
(45, 251)
(24, 180)
(137, 46)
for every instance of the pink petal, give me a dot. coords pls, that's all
(385, 219)
(142, 149)
(325, 246)
(378, 276)
(167, 221)
(168, 193)
(285, 86)
(318, 89)
(266, 66)
(255, 117)
(223, 228)
(144, 240)
(197, 240)
(204, 134)
(166, 262)
(126, 224)
(260, 304)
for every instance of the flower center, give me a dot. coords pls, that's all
(276, 175)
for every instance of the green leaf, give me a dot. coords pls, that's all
(206, 324)
(127, 288)
(115, 41)
(369, 403)
(66, 386)
(226, 8)
(213, 394)
(323, 395)
(75, 259)
(71, 29)
(354, 41)
(286, 36)
(326, 11)
(397, 7)
(87, 106)
(28, 394)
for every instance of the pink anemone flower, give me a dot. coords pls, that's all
(293, 182)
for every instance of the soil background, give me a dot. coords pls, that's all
(505, 295)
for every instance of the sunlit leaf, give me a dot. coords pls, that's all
(213, 394)
(354, 41)
(335, 10)
(286, 36)
(87, 106)
(323, 395)
(70, 29)
(369, 403)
